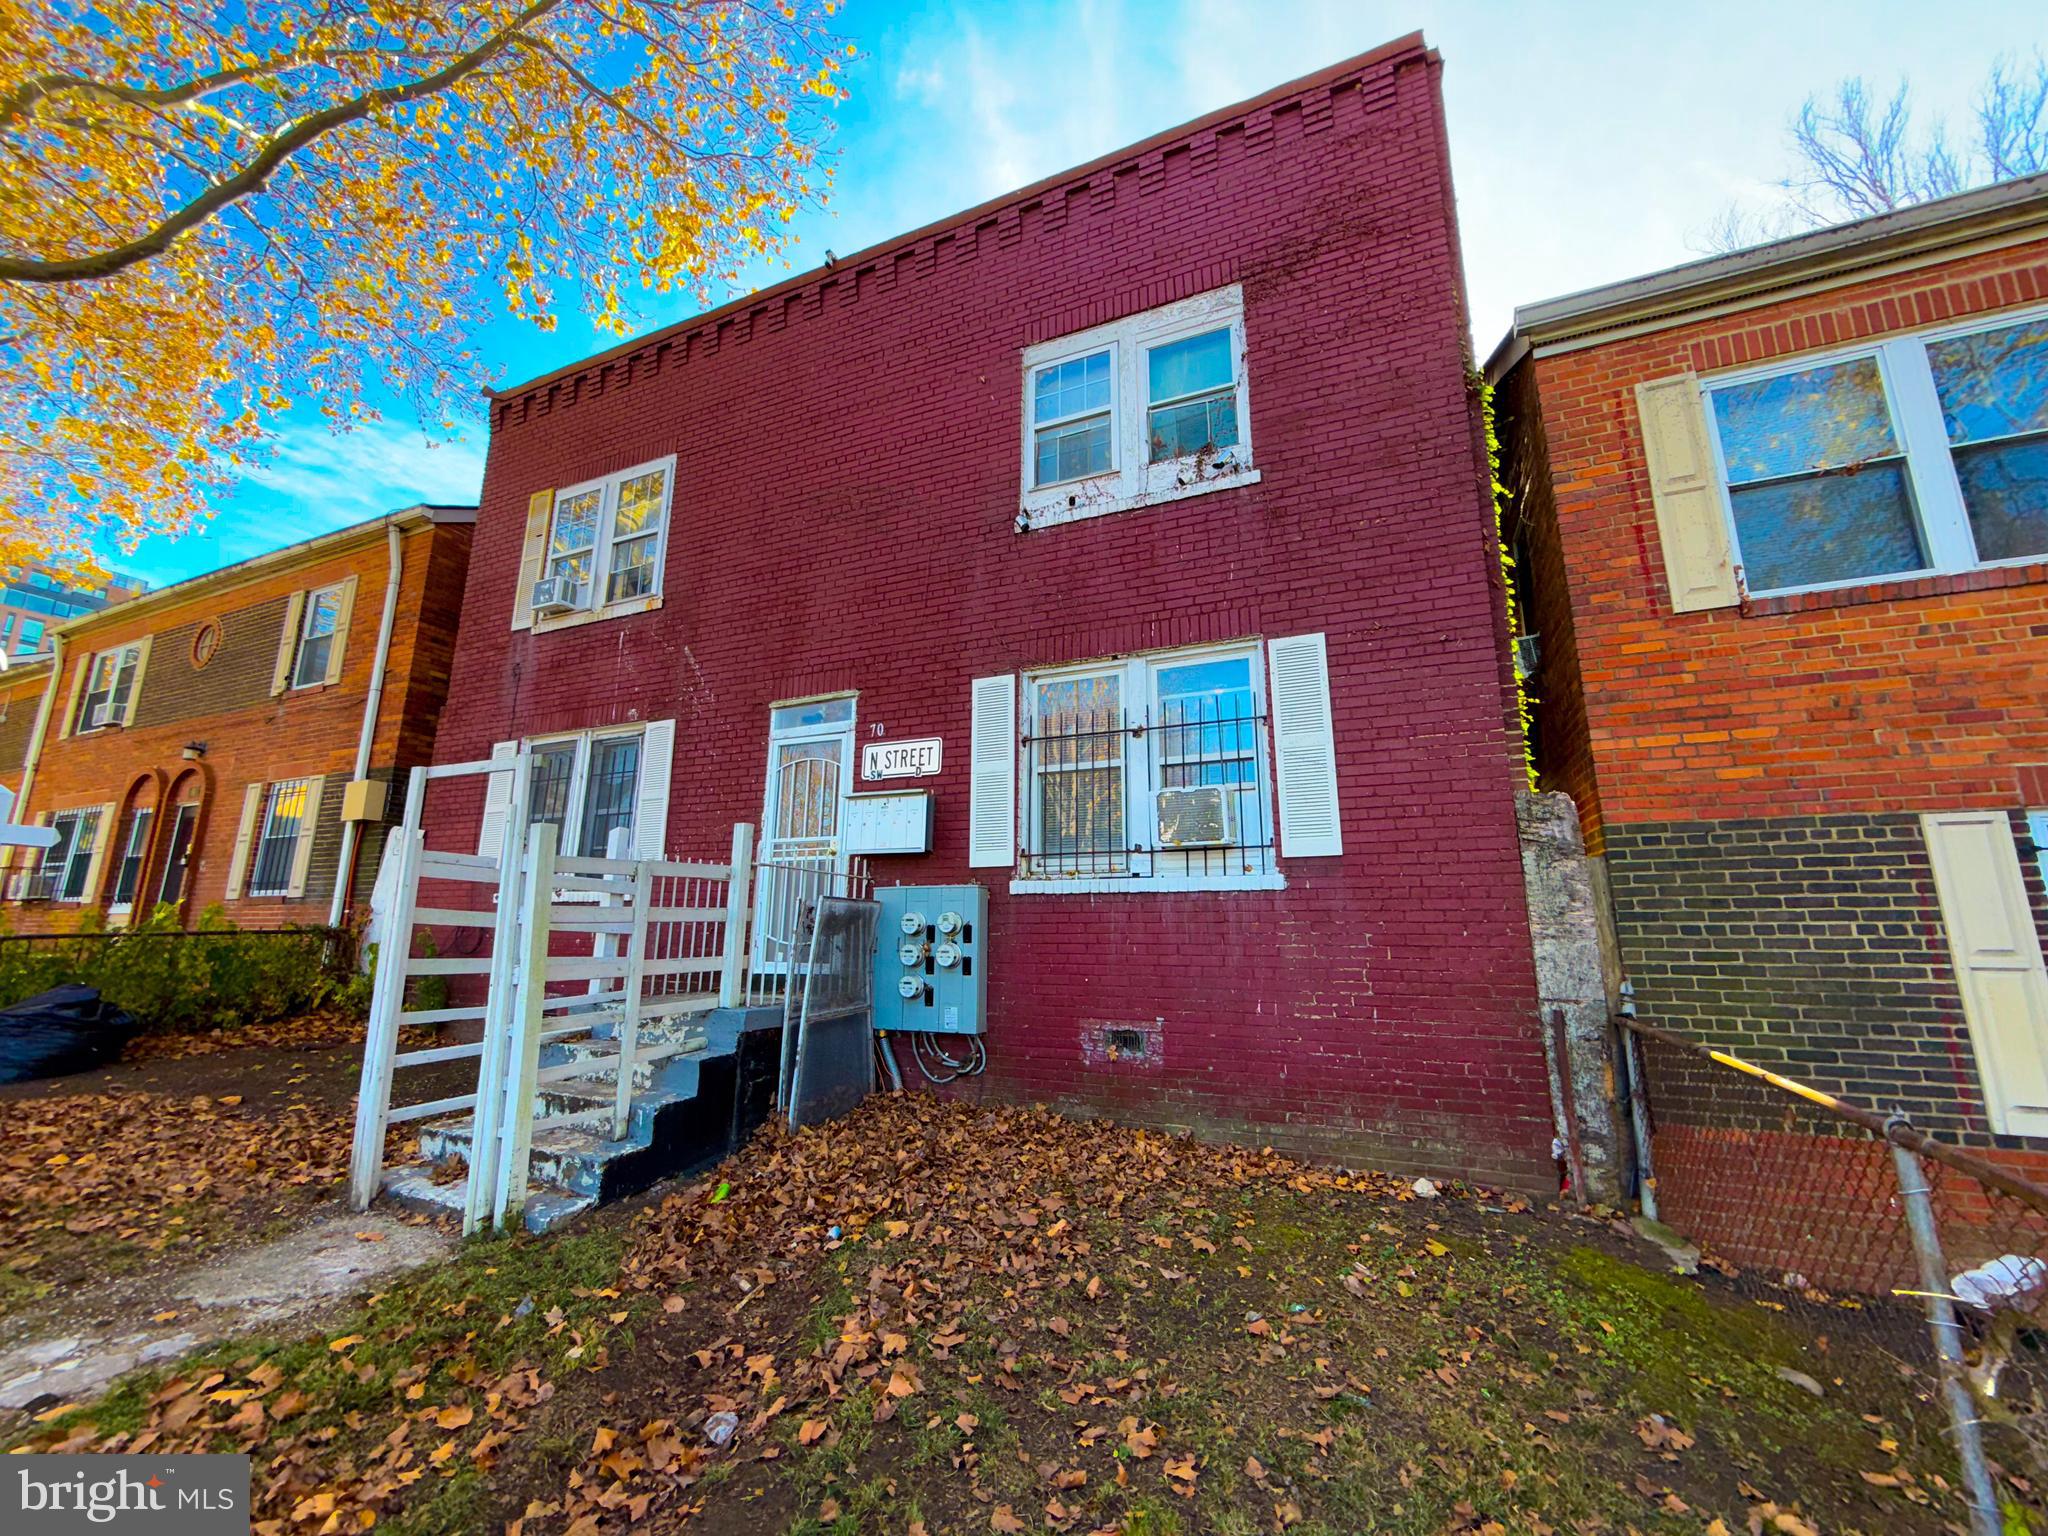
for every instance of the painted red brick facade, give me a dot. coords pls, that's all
(847, 493)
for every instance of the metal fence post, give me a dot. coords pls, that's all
(1948, 1334)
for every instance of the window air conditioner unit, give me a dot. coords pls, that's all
(1203, 816)
(559, 594)
(1528, 654)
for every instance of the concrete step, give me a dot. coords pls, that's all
(412, 1188)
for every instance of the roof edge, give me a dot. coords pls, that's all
(1757, 270)
(1408, 43)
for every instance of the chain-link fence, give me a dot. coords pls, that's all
(1811, 1202)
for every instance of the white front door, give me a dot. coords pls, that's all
(810, 770)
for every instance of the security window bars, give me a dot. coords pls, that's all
(1151, 768)
(1922, 454)
(277, 843)
(607, 535)
(316, 637)
(133, 848)
(67, 862)
(586, 787)
(109, 683)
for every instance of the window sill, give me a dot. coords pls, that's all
(598, 615)
(1080, 505)
(1892, 589)
(1146, 885)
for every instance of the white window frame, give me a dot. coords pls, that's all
(1942, 519)
(1131, 480)
(607, 535)
(141, 821)
(334, 636)
(1150, 870)
(74, 851)
(126, 661)
(585, 743)
(274, 791)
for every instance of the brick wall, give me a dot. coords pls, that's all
(1754, 775)
(848, 481)
(250, 736)
(21, 695)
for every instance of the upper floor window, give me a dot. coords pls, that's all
(31, 637)
(1918, 455)
(605, 541)
(1149, 408)
(317, 625)
(110, 681)
(312, 644)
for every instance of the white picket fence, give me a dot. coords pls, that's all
(653, 940)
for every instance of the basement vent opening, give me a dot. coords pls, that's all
(1125, 1042)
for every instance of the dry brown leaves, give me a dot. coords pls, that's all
(127, 1164)
(313, 1031)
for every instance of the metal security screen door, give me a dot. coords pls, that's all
(810, 768)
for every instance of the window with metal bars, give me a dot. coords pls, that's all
(1151, 768)
(67, 862)
(586, 786)
(277, 844)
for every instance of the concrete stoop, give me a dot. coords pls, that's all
(688, 1110)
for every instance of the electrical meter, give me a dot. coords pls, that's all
(913, 922)
(933, 975)
(910, 987)
(947, 954)
(910, 952)
(949, 924)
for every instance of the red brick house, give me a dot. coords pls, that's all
(1161, 476)
(1782, 523)
(233, 738)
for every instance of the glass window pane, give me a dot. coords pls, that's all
(84, 838)
(608, 798)
(1208, 723)
(129, 875)
(1993, 384)
(632, 572)
(321, 611)
(178, 854)
(817, 712)
(1819, 418)
(1190, 366)
(2005, 490)
(278, 844)
(807, 790)
(639, 505)
(1069, 453)
(1800, 533)
(1194, 426)
(1078, 762)
(312, 664)
(575, 522)
(547, 793)
(1071, 388)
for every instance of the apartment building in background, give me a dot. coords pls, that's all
(34, 601)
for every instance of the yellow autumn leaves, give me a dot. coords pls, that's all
(208, 216)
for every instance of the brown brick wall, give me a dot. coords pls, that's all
(250, 736)
(21, 695)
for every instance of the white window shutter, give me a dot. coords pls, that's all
(1685, 489)
(1997, 954)
(302, 850)
(287, 645)
(1305, 746)
(497, 800)
(540, 510)
(344, 610)
(650, 802)
(992, 792)
(135, 683)
(245, 836)
(96, 868)
(78, 676)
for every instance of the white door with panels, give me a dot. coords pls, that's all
(810, 772)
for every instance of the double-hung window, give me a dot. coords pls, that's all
(109, 686)
(1149, 408)
(1151, 768)
(1919, 455)
(605, 539)
(587, 786)
(134, 848)
(318, 622)
(277, 840)
(67, 863)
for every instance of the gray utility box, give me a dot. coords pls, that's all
(931, 944)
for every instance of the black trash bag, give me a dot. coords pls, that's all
(66, 1029)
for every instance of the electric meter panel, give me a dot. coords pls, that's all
(929, 971)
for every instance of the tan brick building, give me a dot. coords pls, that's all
(234, 738)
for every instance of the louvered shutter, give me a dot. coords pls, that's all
(1997, 955)
(497, 800)
(135, 682)
(540, 509)
(650, 804)
(245, 835)
(287, 645)
(344, 610)
(1685, 490)
(1305, 748)
(78, 676)
(992, 791)
(302, 850)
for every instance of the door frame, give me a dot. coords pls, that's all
(842, 732)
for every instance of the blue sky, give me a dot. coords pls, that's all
(1589, 142)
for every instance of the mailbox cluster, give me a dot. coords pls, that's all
(929, 973)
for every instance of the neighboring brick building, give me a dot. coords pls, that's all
(200, 743)
(1782, 520)
(23, 681)
(1171, 435)
(35, 601)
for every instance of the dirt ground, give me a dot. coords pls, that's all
(941, 1317)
